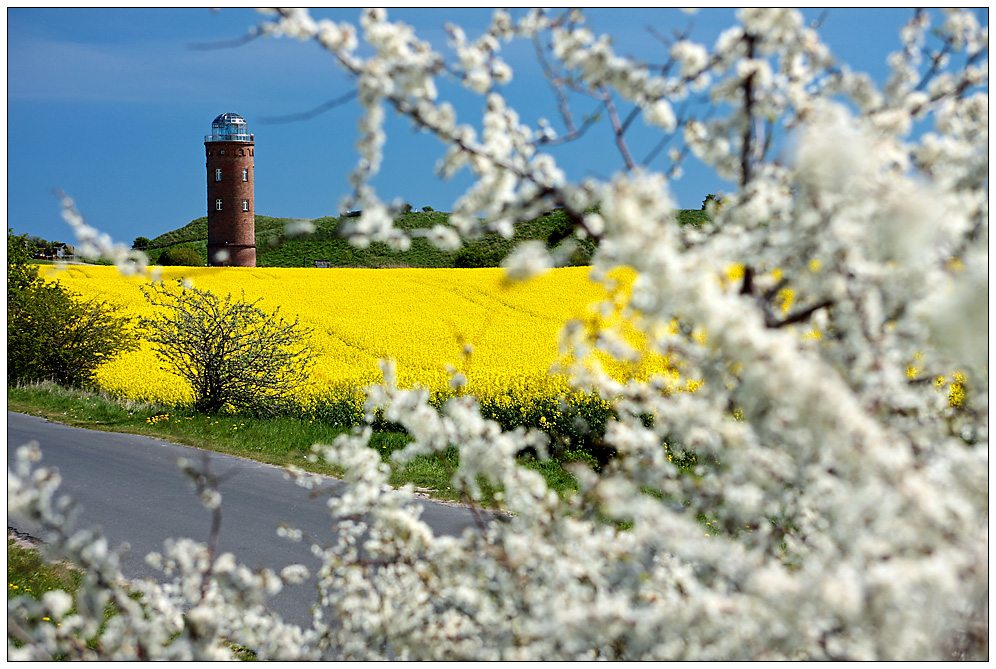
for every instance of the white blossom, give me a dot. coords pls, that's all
(661, 114)
(528, 260)
(692, 57)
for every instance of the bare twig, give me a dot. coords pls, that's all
(556, 82)
(798, 316)
(818, 23)
(253, 33)
(618, 129)
(320, 109)
(748, 136)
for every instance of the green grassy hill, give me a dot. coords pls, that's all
(275, 249)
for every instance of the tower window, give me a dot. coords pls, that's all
(217, 205)
(245, 174)
(217, 174)
(245, 205)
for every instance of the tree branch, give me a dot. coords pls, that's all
(312, 113)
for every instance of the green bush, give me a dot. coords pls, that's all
(52, 335)
(181, 255)
(21, 274)
(481, 254)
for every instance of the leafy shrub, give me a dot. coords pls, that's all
(479, 254)
(181, 255)
(53, 335)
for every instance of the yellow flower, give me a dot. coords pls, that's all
(956, 395)
(424, 319)
(735, 272)
(784, 299)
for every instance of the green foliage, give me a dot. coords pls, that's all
(182, 255)
(21, 274)
(233, 354)
(35, 245)
(428, 209)
(575, 425)
(712, 203)
(140, 243)
(695, 217)
(480, 254)
(53, 335)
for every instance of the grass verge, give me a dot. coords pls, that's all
(29, 575)
(282, 441)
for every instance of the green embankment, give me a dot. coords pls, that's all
(274, 248)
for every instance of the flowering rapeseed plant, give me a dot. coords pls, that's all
(424, 319)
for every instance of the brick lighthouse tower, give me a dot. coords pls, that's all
(231, 222)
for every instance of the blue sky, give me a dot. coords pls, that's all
(111, 106)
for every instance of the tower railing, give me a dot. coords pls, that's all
(235, 137)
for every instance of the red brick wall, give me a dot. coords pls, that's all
(230, 230)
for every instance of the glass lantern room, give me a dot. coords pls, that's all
(229, 127)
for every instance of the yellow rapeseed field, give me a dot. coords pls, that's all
(502, 336)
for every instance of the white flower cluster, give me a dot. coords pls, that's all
(837, 504)
(91, 243)
(480, 66)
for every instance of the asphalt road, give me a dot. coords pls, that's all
(131, 487)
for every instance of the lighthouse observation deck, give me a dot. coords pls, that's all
(229, 127)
